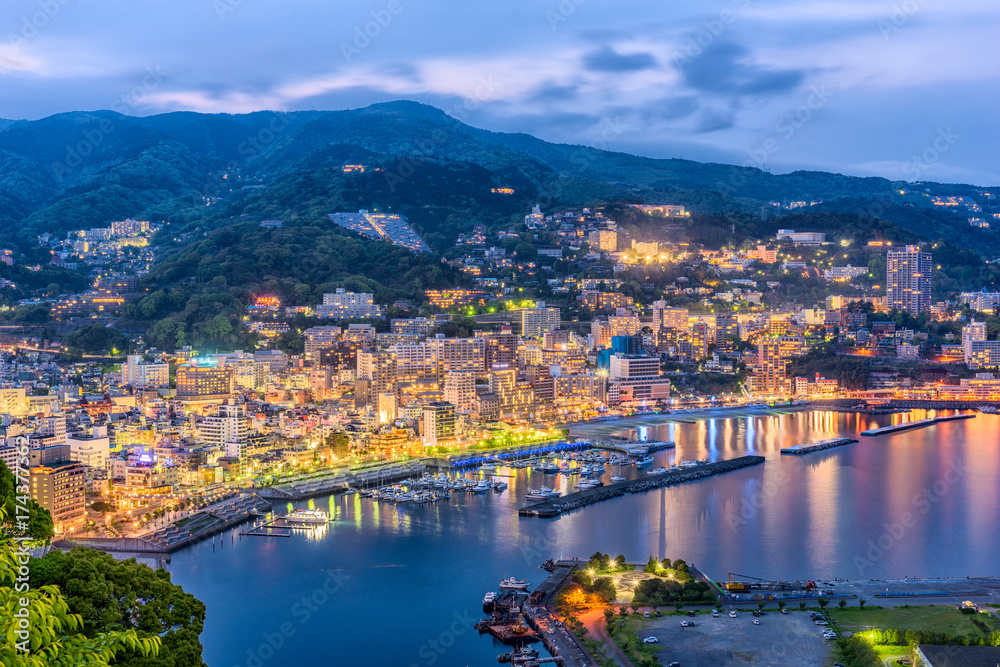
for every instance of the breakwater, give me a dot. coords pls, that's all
(335, 482)
(905, 426)
(818, 446)
(573, 501)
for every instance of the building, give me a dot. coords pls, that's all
(60, 488)
(140, 374)
(13, 401)
(344, 305)
(636, 378)
(439, 423)
(769, 371)
(845, 272)
(538, 320)
(956, 656)
(908, 280)
(228, 429)
(982, 354)
(376, 374)
(460, 391)
(318, 339)
(501, 348)
(90, 449)
(801, 238)
(204, 379)
(982, 301)
(603, 240)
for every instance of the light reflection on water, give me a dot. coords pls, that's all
(794, 517)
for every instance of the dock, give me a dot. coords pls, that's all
(810, 447)
(905, 426)
(562, 644)
(573, 501)
(635, 449)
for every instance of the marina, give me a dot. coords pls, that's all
(810, 447)
(905, 426)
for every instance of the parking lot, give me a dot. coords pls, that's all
(778, 641)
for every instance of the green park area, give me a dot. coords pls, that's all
(877, 633)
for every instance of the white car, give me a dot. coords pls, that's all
(732, 614)
(756, 622)
(650, 640)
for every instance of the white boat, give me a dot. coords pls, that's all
(549, 492)
(489, 599)
(535, 495)
(307, 516)
(499, 486)
(615, 479)
(512, 584)
(657, 471)
(482, 487)
(644, 461)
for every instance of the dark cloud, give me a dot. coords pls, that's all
(606, 59)
(728, 68)
(550, 91)
(671, 108)
(713, 120)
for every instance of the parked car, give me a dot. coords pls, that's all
(650, 640)
(784, 611)
(687, 624)
(646, 614)
(715, 613)
(756, 622)
(674, 664)
(732, 614)
(657, 614)
(821, 623)
(691, 612)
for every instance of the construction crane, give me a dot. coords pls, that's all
(735, 585)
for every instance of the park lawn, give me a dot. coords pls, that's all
(939, 618)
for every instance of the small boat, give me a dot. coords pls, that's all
(535, 495)
(307, 517)
(512, 584)
(482, 487)
(644, 461)
(615, 479)
(658, 471)
(499, 486)
(489, 599)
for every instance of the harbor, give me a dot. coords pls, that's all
(583, 498)
(810, 447)
(905, 426)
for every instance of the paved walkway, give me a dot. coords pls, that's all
(596, 626)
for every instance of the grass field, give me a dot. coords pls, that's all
(938, 618)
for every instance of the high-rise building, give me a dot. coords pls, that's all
(202, 379)
(636, 378)
(908, 280)
(344, 305)
(501, 348)
(378, 370)
(725, 328)
(769, 372)
(318, 339)
(439, 423)
(538, 320)
(460, 390)
(228, 430)
(145, 375)
(59, 487)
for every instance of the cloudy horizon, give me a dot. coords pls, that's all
(906, 89)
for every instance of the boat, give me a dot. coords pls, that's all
(482, 487)
(512, 584)
(657, 471)
(534, 495)
(644, 461)
(489, 599)
(499, 486)
(307, 517)
(615, 479)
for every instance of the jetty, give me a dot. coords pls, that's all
(905, 426)
(810, 447)
(635, 449)
(573, 501)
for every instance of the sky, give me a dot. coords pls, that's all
(905, 89)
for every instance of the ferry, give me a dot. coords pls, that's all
(307, 516)
(512, 584)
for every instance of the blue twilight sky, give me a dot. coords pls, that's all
(906, 89)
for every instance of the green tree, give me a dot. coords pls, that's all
(782, 604)
(53, 638)
(823, 602)
(842, 603)
(861, 602)
(802, 606)
(115, 595)
(39, 522)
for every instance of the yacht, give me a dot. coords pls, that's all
(512, 584)
(536, 495)
(482, 487)
(616, 478)
(489, 599)
(499, 486)
(644, 461)
(657, 471)
(307, 517)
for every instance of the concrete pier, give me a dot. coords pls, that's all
(914, 424)
(810, 447)
(567, 503)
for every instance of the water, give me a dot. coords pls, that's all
(403, 584)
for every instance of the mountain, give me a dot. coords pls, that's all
(82, 169)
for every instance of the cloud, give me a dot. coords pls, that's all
(713, 120)
(606, 59)
(671, 108)
(726, 67)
